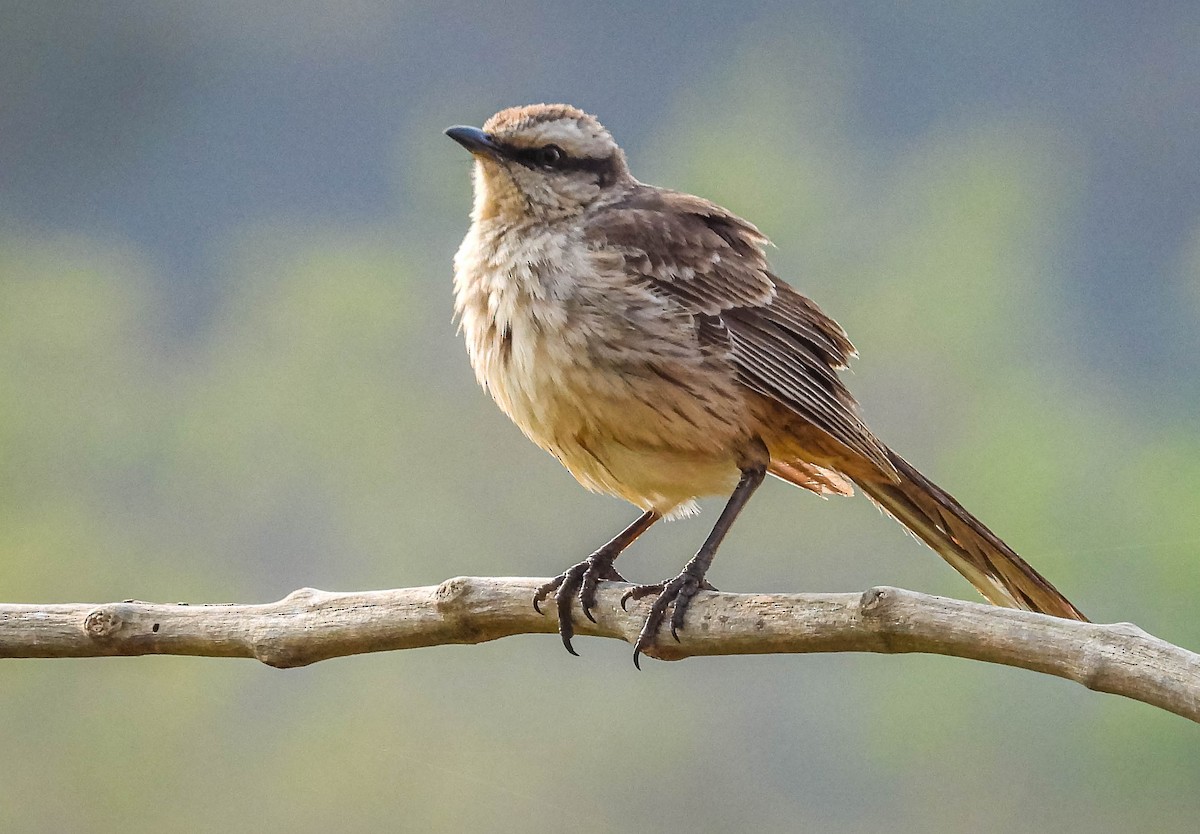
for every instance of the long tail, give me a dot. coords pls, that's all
(973, 550)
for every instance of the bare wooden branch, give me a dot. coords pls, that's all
(310, 625)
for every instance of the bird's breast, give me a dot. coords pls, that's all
(513, 294)
(597, 370)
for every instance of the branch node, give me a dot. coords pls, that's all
(104, 622)
(281, 651)
(453, 602)
(874, 598)
(1131, 630)
(879, 614)
(1096, 670)
(280, 658)
(452, 592)
(303, 596)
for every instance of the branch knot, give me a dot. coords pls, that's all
(105, 622)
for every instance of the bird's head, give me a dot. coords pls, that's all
(541, 162)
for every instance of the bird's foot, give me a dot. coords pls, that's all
(676, 594)
(579, 581)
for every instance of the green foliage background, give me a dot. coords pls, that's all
(286, 404)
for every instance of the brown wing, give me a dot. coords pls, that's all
(711, 262)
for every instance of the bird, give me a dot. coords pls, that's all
(639, 335)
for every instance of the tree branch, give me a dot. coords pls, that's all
(310, 625)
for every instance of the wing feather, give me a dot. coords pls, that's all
(711, 263)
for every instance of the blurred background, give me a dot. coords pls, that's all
(228, 369)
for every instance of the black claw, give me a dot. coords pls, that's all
(644, 642)
(563, 600)
(641, 591)
(591, 580)
(683, 599)
(676, 594)
(579, 581)
(545, 591)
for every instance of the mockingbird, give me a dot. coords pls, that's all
(639, 336)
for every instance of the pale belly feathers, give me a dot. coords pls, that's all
(602, 374)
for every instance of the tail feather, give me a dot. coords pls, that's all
(993, 567)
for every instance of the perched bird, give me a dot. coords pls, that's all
(639, 336)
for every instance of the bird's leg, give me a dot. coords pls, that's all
(680, 590)
(582, 579)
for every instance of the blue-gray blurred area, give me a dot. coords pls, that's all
(228, 369)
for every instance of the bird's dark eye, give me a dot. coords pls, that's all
(550, 155)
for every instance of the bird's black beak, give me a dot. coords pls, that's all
(474, 140)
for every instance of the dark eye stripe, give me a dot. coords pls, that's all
(605, 168)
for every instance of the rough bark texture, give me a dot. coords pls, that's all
(310, 625)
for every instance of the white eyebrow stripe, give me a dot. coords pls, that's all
(574, 138)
